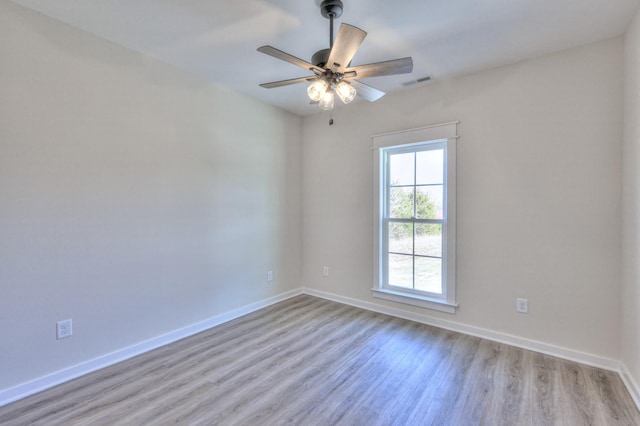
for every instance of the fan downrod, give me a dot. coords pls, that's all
(331, 8)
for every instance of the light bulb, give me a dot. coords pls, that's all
(317, 89)
(345, 91)
(326, 103)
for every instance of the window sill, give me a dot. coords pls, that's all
(414, 300)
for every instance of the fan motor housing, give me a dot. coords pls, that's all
(320, 57)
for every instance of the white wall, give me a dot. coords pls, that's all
(135, 199)
(631, 206)
(539, 202)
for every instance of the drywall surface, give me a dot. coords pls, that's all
(631, 205)
(538, 195)
(136, 199)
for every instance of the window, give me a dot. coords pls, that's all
(415, 209)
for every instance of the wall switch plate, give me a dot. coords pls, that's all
(64, 329)
(270, 276)
(325, 271)
(522, 305)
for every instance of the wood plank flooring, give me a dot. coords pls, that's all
(309, 361)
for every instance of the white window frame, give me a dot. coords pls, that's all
(440, 136)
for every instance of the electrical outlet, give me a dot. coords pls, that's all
(270, 276)
(64, 329)
(522, 306)
(325, 271)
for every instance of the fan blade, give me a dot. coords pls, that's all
(347, 43)
(287, 82)
(394, 66)
(279, 54)
(367, 92)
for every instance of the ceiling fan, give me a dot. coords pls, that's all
(332, 68)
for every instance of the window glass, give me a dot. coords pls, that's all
(401, 270)
(429, 202)
(428, 276)
(428, 240)
(430, 167)
(401, 205)
(402, 169)
(414, 191)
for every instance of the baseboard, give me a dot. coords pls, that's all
(533, 345)
(37, 385)
(630, 383)
(42, 383)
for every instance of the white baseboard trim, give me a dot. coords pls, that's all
(42, 383)
(520, 342)
(50, 380)
(630, 383)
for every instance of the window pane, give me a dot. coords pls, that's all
(414, 238)
(430, 167)
(401, 169)
(428, 239)
(429, 202)
(401, 238)
(401, 203)
(429, 274)
(401, 270)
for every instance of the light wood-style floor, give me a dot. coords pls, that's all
(308, 361)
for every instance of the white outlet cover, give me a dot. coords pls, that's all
(522, 305)
(64, 329)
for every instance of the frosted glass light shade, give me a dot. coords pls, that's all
(317, 89)
(326, 103)
(345, 91)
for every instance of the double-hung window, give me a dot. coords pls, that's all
(415, 209)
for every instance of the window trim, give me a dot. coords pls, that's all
(445, 135)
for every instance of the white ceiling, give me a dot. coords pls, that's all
(217, 40)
